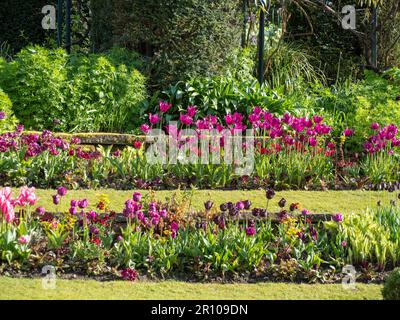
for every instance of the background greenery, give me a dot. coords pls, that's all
(51, 90)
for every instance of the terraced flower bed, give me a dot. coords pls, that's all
(288, 153)
(169, 239)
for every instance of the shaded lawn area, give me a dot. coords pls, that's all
(89, 289)
(315, 201)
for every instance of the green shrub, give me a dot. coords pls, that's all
(35, 83)
(228, 94)
(391, 289)
(377, 101)
(51, 90)
(105, 96)
(7, 119)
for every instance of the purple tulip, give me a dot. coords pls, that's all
(163, 213)
(348, 132)
(337, 217)
(40, 211)
(250, 231)
(56, 199)
(62, 191)
(374, 126)
(92, 215)
(239, 205)
(82, 203)
(305, 212)
(137, 196)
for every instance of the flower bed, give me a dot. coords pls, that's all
(290, 153)
(169, 239)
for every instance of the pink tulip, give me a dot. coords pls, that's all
(154, 118)
(191, 111)
(6, 192)
(24, 239)
(7, 209)
(185, 119)
(164, 106)
(348, 132)
(27, 196)
(145, 128)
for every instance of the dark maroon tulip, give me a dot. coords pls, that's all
(263, 213)
(283, 214)
(223, 207)
(216, 219)
(208, 205)
(255, 212)
(270, 193)
(233, 212)
(282, 202)
(56, 199)
(247, 204)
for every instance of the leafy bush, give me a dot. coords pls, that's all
(103, 96)
(35, 83)
(391, 289)
(378, 100)
(51, 90)
(7, 119)
(223, 95)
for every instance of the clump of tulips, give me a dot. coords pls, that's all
(384, 139)
(282, 133)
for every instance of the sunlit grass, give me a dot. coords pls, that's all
(315, 201)
(174, 290)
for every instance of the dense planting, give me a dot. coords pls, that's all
(169, 238)
(290, 152)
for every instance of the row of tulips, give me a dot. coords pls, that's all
(162, 239)
(291, 152)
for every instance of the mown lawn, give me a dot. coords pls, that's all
(173, 290)
(315, 201)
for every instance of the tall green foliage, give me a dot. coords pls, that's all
(51, 90)
(7, 119)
